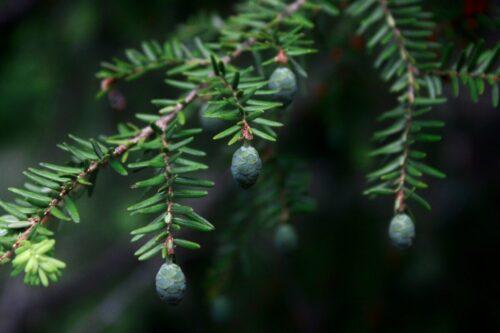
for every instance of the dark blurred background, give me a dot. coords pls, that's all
(344, 277)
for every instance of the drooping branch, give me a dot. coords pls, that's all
(398, 29)
(450, 73)
(412, 89)
(144, 134)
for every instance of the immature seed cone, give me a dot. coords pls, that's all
(402, 231)
(246, 166)
(285, 238)
(170, 283)
(221, 309)
(283, 80)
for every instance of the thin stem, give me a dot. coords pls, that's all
(411, 73)
(145, 133)
(169, 246)
(246, 130)
(153, 65)
(289, 10)
(453, 73)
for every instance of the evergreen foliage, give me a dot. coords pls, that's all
(250, 97)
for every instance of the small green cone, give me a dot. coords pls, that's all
(246, 166)
(170, 283)
(220, 309)
(285, 238)
(402, 231)
(284, 82)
